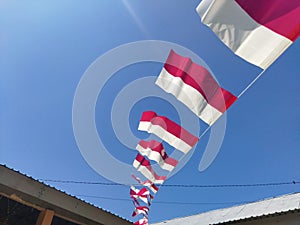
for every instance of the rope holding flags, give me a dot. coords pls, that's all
(258, 32)
(174, 135)
(144, 166)
(195, 87)
(143, 194)
(168, 131)
(143, 221)
(185, 73)
(150, 185)
(155, 151)
(140, 210)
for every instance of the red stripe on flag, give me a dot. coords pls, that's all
(154, 146)
(142, 160)
(140, 210)
(171, 161)
(143, 221)
(170, 126)
(158, 147)
(200, 79)
(146, 163)
(280, 16)
(143, 194)
(146, 183)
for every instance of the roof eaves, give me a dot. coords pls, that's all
(251, 218)
(54, 188)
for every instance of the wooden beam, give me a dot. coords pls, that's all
(45, 217)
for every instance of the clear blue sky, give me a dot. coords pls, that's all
(45, 48)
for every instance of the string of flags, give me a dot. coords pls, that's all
(155, 151)
(168, 131)
(143, 194)
(258, 32)
(195, 87)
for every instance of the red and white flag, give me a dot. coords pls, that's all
(258, 31)
(168, 131)
(155, 151)
(144, 166)
(143, 221)
(195, 87)
(143, 194)
(140, 210)
(149, 184)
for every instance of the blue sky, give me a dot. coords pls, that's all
(45, 48)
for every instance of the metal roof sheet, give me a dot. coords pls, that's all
(281, 204)
(63, 192)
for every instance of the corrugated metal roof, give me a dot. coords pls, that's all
(72, 196)
(267, 207)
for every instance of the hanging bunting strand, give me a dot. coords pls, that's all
(144, 210)
(143, 221)
(195, 87)
(149, 184)
(257, 31)
(168, 131)
(143, 194)
(144, 166)
(155, 151)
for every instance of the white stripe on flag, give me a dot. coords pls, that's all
(143, 194)
(248, 39)
(140, 210)
(142, 165)
(149, 184)
(158, 154)
(164, 135)
(143, 221)
(168, 131)
(195, 87)
(189, 96)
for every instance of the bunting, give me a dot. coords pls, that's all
(168, 131)
(143, 194)
(144, 210)
(257, 31)
(195, 87)
(144, 166)
(155, 151)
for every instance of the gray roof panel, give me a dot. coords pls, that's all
(281, 204)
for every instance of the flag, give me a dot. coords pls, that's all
(143, 165)
(258, 31)
(149, 184)
(155, 151)
(143, 194)
(140, 210)
(195, 87)
(143, 221)
(168, 131)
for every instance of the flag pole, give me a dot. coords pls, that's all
(250, 85)
(242, 93)
(208, 128)
(203, 133)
